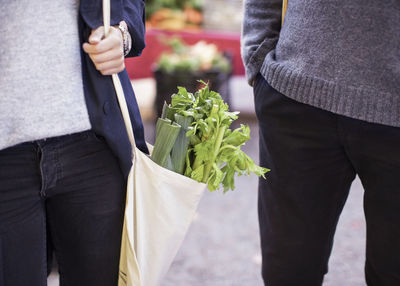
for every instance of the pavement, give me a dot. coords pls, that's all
(222, 248)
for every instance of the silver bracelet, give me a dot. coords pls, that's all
(126, 37)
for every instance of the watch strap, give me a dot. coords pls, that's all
(126, 37)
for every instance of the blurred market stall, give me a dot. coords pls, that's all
(174, 14)
(208, 49)
(185, 64)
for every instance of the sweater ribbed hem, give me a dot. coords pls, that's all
(364, 104)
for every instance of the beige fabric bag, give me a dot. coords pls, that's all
(160, 206)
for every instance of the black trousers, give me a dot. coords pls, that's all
(314, 156)
(73, 188)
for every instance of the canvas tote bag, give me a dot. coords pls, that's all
(160, 206)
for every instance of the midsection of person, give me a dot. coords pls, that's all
(41, 76)
(57, 176)
(340, 56)
(342, 42)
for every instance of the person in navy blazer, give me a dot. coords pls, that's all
(65, 189)
(104, 113)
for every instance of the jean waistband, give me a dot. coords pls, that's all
(64, 138)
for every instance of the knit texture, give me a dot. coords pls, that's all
(41, 92)
(341, 56)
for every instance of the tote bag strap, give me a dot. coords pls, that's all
(284, 8)
(117, 83)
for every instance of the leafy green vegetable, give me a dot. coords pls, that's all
(214, 155)
(206, 150)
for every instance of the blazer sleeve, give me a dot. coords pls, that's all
(134, 15)
(260, 33)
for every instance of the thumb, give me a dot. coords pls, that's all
(96, 36)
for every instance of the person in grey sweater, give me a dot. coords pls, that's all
(327, 95)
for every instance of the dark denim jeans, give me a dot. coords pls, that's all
(314, 156)
(72, 187)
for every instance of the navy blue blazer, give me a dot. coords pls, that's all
(104, 113)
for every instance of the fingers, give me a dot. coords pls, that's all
(106, 53)
(96, 46)
(110, 65)
(103, 46)
(96, 36)
(110, 55)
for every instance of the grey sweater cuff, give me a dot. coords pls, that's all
(256, 60)
(260, 33)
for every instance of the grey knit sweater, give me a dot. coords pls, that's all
(41, 89)
(339, 55)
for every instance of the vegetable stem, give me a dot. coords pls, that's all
(220, 136)
(197, 162)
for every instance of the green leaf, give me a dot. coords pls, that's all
(204, 150)
(229, 181)
(197, 174)
(215, 178)
(238, 136)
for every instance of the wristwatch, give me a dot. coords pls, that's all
(126, 37)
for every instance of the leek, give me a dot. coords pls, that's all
(166, 134)
(181, 146)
